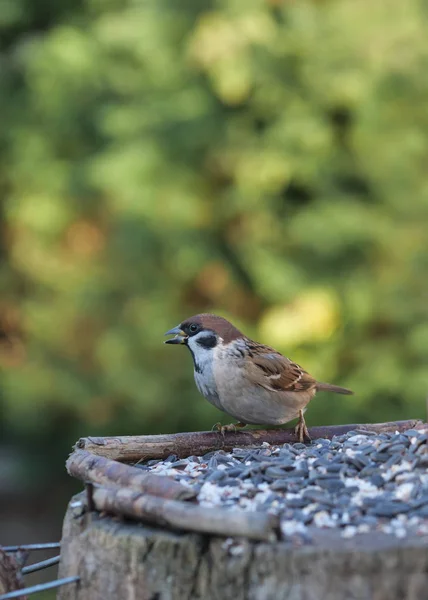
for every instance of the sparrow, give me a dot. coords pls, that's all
(249, 381)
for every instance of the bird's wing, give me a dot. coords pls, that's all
(275, 372)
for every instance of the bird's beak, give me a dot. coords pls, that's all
(180, 336)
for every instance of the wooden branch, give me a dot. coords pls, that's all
(96, 469)
(142, 447)
(186, 516)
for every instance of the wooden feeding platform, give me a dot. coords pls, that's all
(140, 535)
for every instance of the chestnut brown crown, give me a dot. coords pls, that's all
(219, 325)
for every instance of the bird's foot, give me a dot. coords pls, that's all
(232, 427)
(301, 430)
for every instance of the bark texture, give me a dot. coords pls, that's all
(99, 470)
(141, 447)
(186, 516)
(126, 561)
(10, 578)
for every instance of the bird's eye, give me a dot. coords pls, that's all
(193, 328)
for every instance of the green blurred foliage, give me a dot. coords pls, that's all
(266, 160)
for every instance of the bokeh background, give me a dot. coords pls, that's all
(266, 160)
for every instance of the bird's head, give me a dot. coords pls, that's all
(203, 333)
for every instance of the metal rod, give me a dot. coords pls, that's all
(48, 546)
(43, 564)
(39, 588)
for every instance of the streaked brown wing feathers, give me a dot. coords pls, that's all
(276, 372)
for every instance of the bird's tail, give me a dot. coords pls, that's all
(328, 387)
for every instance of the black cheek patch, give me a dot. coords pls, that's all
(207, 341)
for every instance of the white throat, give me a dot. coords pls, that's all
(203, 360)
(202, 356)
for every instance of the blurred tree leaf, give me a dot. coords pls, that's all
(263, 160)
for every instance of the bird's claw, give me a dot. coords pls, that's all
(232, 427)
(301, 430)
(217, 427)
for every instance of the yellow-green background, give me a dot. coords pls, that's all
(265, 160)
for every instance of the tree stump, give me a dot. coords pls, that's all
(122, 560)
